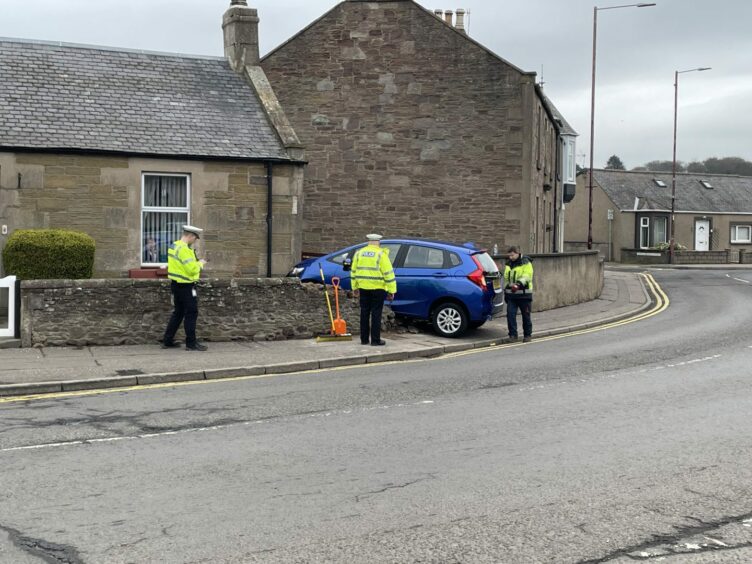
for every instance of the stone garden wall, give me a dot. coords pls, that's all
(124, 312)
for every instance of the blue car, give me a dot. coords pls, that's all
(454, 287)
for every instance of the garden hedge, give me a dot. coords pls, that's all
(35, 254)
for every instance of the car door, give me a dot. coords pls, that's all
(422, 274)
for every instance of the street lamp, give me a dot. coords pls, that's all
(673, 163)
(592, 115)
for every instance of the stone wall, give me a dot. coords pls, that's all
(119, 312)
(643, 256)
(413, 129)
(650, 256)
(101, 196)
(562, 279)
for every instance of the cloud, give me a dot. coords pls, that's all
(638, 52)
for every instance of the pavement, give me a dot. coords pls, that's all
(60, 369)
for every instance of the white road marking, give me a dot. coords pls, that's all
(204, 429)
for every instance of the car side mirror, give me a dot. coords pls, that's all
(347, 265)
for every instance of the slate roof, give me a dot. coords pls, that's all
(730, 194)
(60, 96)
(564, 127)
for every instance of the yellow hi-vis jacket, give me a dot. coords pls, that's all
(182, 265)
(372, 270)
(519, 272)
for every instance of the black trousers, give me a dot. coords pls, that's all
(186, 312)
(371, 308)
(525, 306)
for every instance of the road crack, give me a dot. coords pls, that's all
(50, 552)
(677, 543)
(391, 487)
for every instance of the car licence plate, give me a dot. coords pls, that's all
(497, 284)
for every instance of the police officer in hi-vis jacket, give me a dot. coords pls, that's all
(372, 278)
(184, 269)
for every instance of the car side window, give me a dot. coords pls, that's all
(454, 259)
(424, 257)
(394, 249)
(339, 259)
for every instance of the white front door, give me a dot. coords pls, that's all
(702, 235)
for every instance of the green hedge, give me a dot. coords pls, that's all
(34, 254)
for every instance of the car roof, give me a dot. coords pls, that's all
(469, 248)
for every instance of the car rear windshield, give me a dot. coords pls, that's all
(486, 262)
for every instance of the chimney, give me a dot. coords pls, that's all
(240, 27)
(448, 17)
(438, 13)
(460, 24)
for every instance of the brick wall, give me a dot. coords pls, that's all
(101, 196)
(411, 129)
(120, 312)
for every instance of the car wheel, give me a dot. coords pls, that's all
(449, 319)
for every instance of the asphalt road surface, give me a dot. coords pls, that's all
(631, 443)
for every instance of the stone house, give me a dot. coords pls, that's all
(632, 212)
(412, 128)
(127, 146)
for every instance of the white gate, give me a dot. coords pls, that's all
(8, 306)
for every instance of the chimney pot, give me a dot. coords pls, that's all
(460, 24)
(240, 28)
(448, 17)
(438, 13)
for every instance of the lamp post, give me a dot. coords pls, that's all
(673, 162)
(592, 114)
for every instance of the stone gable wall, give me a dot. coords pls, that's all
(410, 129)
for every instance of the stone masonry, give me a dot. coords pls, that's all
(127, 312)
(101, 196)
(413, 129)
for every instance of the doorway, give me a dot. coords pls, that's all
(702, 234)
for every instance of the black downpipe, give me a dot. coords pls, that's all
(269, 221)
(557, 181)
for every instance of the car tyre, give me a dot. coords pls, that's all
(449, 319)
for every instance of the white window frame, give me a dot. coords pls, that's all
(735, 234)
(160, 209)
(570, 176)
(645, 232)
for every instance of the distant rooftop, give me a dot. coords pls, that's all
(698, 192)
(61, 96)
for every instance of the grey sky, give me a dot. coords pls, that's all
(638, 52)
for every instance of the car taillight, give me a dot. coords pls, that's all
(477, 276)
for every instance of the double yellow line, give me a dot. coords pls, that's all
(661, 304)
(659, 297)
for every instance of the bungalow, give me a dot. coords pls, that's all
(129, 145)
(632, 211)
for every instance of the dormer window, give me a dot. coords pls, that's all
(659, 183)
(706, 184)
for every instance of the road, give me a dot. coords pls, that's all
(626, 444)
